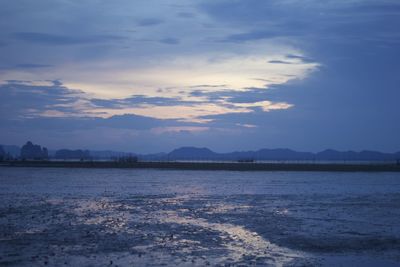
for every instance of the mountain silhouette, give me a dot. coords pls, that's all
(202, 153)
(72, 154)
(194, 153)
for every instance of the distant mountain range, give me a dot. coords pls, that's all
(195, 153)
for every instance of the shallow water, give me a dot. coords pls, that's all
(105, 217)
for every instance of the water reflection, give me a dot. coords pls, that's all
(171, 222)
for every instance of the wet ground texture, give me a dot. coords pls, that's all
(115, 228)
(197, 230)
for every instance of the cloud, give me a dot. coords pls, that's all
(265, 105)
(208, 86)
(34, 100)
(306, 21)
(140, 100)
(146, 22)
(249, 96)
(179, 129)
(68, 124)
(32, 66)
(55, 39)
(246, 125)
(300, 58)
(279, 62)
(170, 41)
(252, 36)
(186, 15)
(21, 99)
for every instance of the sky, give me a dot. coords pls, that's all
(148, 76)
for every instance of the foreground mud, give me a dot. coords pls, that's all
(198, 230)
(215, 219)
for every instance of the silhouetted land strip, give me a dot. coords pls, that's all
(228, 166)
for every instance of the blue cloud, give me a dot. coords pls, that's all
(24, 103)
(253, 35)
(302, 58)
(146, 22)
(338, 21)
(55, 39)
(186, 15)
(20, 99)
(32, 66)
(251, 95)
(170, 41)
(138, 100)
(279, 62)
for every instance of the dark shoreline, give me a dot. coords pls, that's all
(227, 166)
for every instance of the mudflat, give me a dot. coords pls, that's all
(107, 217)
